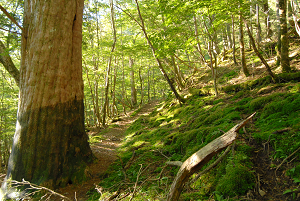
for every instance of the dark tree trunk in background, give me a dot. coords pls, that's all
(233, 41)
(267, 19)
(258, 27)
(132, 84)
(242, 48)
(50, 145)
(285, 62)
(278, 48)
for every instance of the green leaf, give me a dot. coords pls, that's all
(287, 191)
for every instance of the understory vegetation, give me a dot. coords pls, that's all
(173, 132)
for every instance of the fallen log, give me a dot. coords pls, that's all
(195, 162)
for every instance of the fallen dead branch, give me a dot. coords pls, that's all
(201, 157)
(211, 165)
(286, 160)
(35, 188)
(135, 185)
(174, 163)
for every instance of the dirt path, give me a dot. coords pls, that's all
(105, 151)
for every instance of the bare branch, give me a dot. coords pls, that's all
(10, 17)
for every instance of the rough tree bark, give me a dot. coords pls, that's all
(50, 145)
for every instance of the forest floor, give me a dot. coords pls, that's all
(105, 152)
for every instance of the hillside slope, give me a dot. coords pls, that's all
(264, 163)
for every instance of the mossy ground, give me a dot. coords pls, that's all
(173, 131)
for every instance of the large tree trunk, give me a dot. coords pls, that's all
(285, 62)
(50, 144)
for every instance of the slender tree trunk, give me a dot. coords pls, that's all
(92, 95)
(149, 85)
(153, 81)
(162, 70)
(285, 62)
(8, 64)
(267, 19)
(123, 76)
(225, 43)
(106, 105)
(251, 27)
(198, 41)
(274, 77)
(132, 84)
(258, 27)
(123, 86)
(97, 108)
(278, 59)
(142, 88)
(177, 74)
(213, 37)
(50, 145)
(1, 154)
(233, 41)
(229, 36)
(213, 69)
(115, 112)
(242, 48)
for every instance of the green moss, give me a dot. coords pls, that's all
(177, 131)
(287, 77)
(249, 85)
(295, 89)
(239, 95)
(218, 101)
(237, 181)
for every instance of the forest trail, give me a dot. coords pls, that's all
(105, 151)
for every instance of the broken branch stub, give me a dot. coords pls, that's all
(201, 157)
